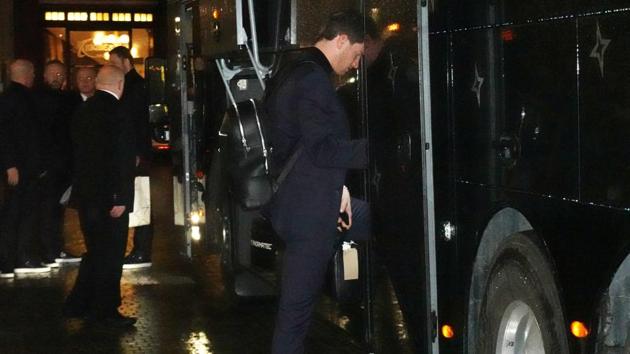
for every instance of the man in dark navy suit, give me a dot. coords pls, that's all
(136, 105)
(21, 156)
(104, 164)
(54, 108)
(305, 113)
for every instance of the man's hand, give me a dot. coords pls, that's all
(345, 207)
(117, 211)
(13, 176)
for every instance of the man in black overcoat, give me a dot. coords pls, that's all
(104, 164)
(305, 113)
(135, 104)
(21, 153)
(55, 107)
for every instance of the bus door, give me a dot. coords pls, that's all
(187, 188)
(398, 116)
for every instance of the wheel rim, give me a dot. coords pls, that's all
(519, 332)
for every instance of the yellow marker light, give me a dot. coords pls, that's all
(215, 14)
(447, 332)
(579, 329)
(394, 27)
(195, 233)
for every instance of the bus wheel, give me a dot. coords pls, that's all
(521, 311)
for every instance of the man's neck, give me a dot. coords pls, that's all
(324, 47)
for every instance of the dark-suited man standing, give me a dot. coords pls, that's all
(104, 164)
(55, 108)
(306, 114)
(22, 160)
(135, 103)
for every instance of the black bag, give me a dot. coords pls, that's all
(253, 182)
(344, 289)
(250, 156)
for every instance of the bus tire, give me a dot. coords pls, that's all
(521, 310)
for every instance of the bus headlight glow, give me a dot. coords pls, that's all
(195, 217)
(195, 233)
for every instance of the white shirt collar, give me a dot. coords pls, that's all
(111, 93)
(84, 97)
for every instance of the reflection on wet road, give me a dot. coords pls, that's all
(180, 305)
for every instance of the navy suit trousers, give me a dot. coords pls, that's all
(305, 262)
(97, 287)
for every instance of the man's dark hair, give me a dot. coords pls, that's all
(122, 52)
(347, 22)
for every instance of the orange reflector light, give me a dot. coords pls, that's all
(394, 27)
(163, 147)
(215, 14)
(447, 332)
(579, 329)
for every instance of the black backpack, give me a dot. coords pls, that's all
(250, 155)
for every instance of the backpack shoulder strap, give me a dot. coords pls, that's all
(288, 166)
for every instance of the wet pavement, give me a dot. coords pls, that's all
(182, 306)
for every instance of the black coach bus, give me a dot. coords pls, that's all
(500, 174)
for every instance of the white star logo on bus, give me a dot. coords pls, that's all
(599, 50)
(476, 87)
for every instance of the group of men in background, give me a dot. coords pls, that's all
(36, 156)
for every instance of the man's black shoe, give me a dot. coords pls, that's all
(67, 257)
(135, 261)
(31, 267)
(6, 272)
(114, 321)
(50, 262)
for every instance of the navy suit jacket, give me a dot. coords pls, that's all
(304, 110)
(104, 154)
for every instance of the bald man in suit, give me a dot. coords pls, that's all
(104, 163)
(21, 157)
